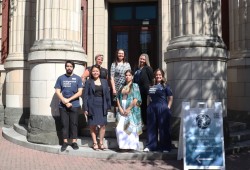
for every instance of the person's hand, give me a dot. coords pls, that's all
(114, 92)
(68, 105)
(121, 111)
(127, 111)
(86, 113)
(65, 101)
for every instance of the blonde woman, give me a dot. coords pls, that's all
(144, 78)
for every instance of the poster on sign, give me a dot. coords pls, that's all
(203, 141)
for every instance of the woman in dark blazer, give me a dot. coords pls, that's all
(96, 104)
(144, 78)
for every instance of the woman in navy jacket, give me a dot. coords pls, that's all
(96, 104)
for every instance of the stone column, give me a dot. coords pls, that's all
(196, 55)
(16, 65)
(239, 62)
(2, 94)
(58, 38)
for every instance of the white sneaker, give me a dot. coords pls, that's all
(146, 150)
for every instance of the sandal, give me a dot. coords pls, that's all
(101, 146)
(95, 146)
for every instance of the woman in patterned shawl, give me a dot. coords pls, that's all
(129, 125)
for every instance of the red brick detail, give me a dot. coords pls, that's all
(84, 7)
(5, 30)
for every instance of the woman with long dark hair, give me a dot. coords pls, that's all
(159, 114)
(129, 125)
(117, 70)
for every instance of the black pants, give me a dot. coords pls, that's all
(69, 122)
(144, 98)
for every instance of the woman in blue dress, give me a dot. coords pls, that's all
(159, 114)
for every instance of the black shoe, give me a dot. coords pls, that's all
(74, 146)
(64, 146)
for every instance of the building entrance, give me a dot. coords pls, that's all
(133, 27)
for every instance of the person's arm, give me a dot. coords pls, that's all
(136, 98)
(150, 75)
(60, 96)
(77, 94)
(169, 95)
(119, 107)
(170, 101)
(112, 81)
(132, 104)
(86, 97)
(85, 75)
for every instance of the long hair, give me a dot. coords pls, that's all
(94, 66)
(116, 58)
(163, 81)
(131, 84)
(146, 59)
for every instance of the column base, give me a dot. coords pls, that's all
(16, 115)
(44, 130)
(1, 116)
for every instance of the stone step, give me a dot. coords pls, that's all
(238, 147)
(86, 141)
(236, 126)
(240, 136)
(85, 144)
(22, 129)
(110, 131)
(85, 150)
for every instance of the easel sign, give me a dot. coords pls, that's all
(203, 141)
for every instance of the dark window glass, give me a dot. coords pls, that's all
(146, 12)
(122, 41)
(122, 13)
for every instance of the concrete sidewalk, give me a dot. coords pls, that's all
(15, 157)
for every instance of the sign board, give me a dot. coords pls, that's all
(203, 141)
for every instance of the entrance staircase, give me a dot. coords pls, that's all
(239, 139)
(17, 134)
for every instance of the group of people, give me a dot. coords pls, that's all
(142, 99)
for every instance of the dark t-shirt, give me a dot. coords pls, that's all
(159, 93)
(69, 86)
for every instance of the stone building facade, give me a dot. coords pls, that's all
(201, 45)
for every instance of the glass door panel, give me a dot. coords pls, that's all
(135, 40)
(122, 41)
